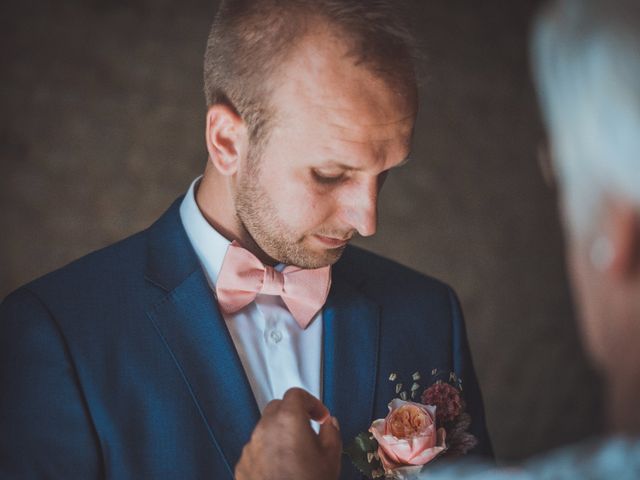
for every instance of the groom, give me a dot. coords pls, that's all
(155, 357)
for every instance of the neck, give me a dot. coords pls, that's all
(214, 197)
(623, 398)
(621, 362)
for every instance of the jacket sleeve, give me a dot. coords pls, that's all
(45, 427)
(463, 367)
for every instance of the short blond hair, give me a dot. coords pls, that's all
(250, 39)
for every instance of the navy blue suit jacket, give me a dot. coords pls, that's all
(120, 365)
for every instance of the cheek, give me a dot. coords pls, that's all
(301, 206)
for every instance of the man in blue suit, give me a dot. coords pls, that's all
(153, 358)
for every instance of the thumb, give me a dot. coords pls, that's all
(330, 440)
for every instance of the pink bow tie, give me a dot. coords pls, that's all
(242, 277)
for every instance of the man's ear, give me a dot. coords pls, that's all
(624, 233)
(226, 138)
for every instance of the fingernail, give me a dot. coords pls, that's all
(334, 422)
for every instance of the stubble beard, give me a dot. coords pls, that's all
(257, 215)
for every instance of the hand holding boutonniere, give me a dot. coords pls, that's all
(415, 433)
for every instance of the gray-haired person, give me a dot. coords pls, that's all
(586, 64)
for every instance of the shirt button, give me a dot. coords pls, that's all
(275, 336)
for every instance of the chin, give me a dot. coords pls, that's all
(318, 259)
(332, 255)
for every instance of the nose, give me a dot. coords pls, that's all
(362, 212)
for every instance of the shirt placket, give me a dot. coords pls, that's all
(281, 362)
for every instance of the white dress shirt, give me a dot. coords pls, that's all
(275, 352)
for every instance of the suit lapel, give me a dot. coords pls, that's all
(350, 357)
(195, 334)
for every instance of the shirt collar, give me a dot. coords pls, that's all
(210, 246)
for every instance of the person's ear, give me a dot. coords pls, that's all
(226, 138)
(624, 234)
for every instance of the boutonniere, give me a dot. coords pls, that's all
(420, 427)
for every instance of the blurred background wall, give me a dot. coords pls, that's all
(102, 127)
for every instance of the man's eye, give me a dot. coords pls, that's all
(327, 178)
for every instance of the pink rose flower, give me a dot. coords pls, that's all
(408, 436)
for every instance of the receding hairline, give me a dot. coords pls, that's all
(306, 21)
(250, 45)
(321, 32)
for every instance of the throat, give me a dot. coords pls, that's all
(622, 403)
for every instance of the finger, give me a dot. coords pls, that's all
(330, 440)
(242, 470)
(300, 400)
(271, 408)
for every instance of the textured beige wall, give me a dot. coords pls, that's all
(102, 128)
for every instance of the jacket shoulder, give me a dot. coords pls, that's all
(379, 274)
(101, 266)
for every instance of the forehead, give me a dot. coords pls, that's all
(321, 87)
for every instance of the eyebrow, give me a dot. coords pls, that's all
(344, 166)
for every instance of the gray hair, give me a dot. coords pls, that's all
(586, 61)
